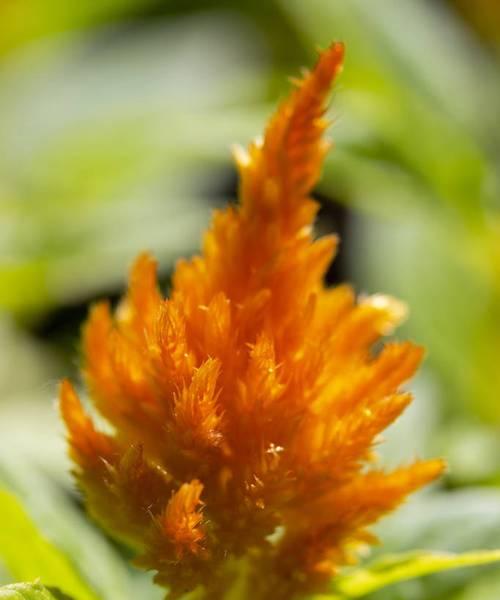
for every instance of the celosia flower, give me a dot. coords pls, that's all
(245, 407)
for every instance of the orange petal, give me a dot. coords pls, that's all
(286, 165)
(197, 415)
(88, 446)
(138, 311)
(181, 522)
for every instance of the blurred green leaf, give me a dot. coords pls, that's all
(391, 569)
(28, 555)
(382, 95)
(107, 145)
(34, 465)
(417, 153)
(444, 275)
(25, 20)
(472, 451)
(31, 591)
(481, 588)
(56, 514)
(455, 522)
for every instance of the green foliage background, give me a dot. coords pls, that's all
(116, 119)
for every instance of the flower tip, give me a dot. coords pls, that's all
(394, 311)
(144, 260)
(142, 278)
(337, 49)
(440, 466)
(99, 321)
(69, 404)
(240, 155)
(427, 471)
(332, 59)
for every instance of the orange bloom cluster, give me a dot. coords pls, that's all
(244, 408)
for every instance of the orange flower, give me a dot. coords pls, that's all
(244, 409)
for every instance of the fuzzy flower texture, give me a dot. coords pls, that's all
(243, 410)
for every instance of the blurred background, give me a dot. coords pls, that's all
(116, 121)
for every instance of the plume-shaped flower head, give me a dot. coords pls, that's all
(244, 408)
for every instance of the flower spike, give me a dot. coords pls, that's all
(244, 409)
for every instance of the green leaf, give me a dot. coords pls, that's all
(126, 161)
(53, 510)
(30, 591)
(27, 555)
(35, 468)
(393, 568)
